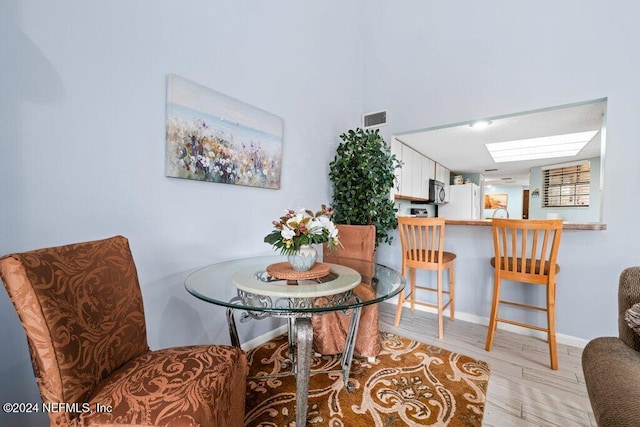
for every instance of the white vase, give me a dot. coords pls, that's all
(304, 258)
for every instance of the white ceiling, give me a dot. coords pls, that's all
(461, 148)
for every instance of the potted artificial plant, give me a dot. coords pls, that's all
(362, 174)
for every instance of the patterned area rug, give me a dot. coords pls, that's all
(410, 384)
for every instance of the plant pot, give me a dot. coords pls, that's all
(304, 258)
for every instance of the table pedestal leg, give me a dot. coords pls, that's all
(304, 336)
(349, 346)
(291, 336)
(233, 332)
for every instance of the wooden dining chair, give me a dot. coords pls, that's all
(526, 251)
(422, 241)
(330, 330)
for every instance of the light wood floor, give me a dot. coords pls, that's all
(523, 390)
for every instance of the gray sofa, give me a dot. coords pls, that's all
(611, 365)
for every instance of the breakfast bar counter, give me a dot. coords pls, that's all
(566, 225)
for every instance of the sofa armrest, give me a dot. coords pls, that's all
(612, 374)
(628, 295)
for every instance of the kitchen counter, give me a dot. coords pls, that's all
(566, 225)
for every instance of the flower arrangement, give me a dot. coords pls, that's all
(303, 227)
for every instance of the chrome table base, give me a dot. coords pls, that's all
(300, 339)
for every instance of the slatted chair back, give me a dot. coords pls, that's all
(422, 241)
(527, 250)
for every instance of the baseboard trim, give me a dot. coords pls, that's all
(479, 320)
(259, 340)
(467, 317)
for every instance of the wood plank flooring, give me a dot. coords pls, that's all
(523, 390)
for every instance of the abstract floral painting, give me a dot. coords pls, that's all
(212, 137)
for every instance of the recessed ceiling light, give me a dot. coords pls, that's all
(480, 124)
(540, 148)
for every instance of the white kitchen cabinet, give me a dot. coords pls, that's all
(443, 175)
(416, 176)
(406, 177)
(428, 172)
(412, 180)
(431, 169)
(396, 148)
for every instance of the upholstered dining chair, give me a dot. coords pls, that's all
(81, 308)
(526, 251)
(330, 330)
(422, 241)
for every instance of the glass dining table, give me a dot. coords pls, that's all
(250, 286)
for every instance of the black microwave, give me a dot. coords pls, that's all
(436, 192)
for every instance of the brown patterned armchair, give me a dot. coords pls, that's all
(81, 308)
(330, 330)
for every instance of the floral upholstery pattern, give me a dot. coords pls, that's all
(181, 386)
(82, 311)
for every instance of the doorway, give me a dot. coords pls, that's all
(525, 204)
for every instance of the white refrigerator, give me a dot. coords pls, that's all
(464, 202)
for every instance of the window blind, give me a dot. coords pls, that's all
(567, 186)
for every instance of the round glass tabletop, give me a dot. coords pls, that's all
(244, 284)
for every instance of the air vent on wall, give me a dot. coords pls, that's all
(372, 120)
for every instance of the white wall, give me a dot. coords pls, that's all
(432, 63)
(82, 141)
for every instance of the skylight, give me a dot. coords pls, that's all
(540, 148)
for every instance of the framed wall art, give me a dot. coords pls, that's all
(213, 137)
(495, 201)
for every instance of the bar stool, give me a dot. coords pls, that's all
(527, 251)
(422, 241)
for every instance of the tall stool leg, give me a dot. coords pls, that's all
(551, 323)
(452, 285)
(412, 274)
(401, 298)
(494, 310)
(440, 320)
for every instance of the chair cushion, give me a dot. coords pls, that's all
(447, 257)
(632, 317)
(528, 265)
(180, 386)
